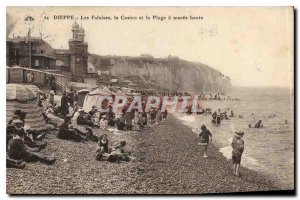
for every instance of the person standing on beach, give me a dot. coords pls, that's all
(64, 105)
(51, 98)
(204, 136)
(238, 149)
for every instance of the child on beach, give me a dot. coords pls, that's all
(238, 148)
(102, 147)
(204, 136)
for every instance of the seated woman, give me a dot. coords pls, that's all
(56, 109)
(103, 122)
(158, 116)
(28, 138)
(152, 116)
(75, 109)
(78, 121)
(17, 114)
(16, 150)
(110, 116)
(128, 120)
(143, 119)
(52, 118)
(102, 147)
(118, 153)
(68, 133)
(90, 116)
(90, 135)
(83, 118)
(121, 122)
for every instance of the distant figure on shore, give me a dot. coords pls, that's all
(231, 113)
(214, 118)
(237, 151)
(258, 124)
(249, 126)
(225, 116)
(218, 119)
(241, 116)
(204, 138)
(286, 122)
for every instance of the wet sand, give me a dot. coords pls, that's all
(169, 161)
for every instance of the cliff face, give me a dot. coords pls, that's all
(170, 73)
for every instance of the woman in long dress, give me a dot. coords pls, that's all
(55, 120)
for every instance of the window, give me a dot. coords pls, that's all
(42, 51)
(36, 62)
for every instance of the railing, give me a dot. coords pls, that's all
(19, 75)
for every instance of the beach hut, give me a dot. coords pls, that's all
(16, 74)
(34, 89)
(93, 98)
(19, 97)
(120, 93)
(81, 96)
(107, 90)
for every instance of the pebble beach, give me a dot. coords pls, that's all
(168, 161)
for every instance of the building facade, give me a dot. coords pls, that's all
(30, 52)
(36, 53)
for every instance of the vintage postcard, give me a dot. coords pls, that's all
(149, 100)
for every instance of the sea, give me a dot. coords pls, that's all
(268, 150)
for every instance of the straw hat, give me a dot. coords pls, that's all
(239, 134)
(80, 110)
(52, 92)
(26, 127)
(17, 121)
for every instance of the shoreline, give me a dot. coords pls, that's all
(249, 161)
(183, 169)
(169, 161)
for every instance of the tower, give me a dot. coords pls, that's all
(78, 53)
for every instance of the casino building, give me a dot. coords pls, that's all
(36, 53)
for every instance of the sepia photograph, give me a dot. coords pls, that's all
(150, 100)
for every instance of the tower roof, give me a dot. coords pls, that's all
(75, 25)
(81, 30)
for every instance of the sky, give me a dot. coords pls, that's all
(253, 45)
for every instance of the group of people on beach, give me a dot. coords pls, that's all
(24, 144)
(72, 123)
